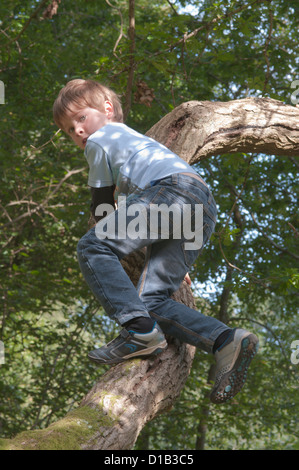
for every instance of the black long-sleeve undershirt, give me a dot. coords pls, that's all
(101, 196)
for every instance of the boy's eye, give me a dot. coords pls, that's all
(71, 130)
(82, 118)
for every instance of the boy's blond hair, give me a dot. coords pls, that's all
(85, 93)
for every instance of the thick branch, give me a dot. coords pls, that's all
(124, 399)
(113, 413)
(199, 129)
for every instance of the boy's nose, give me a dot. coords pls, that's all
(79, 130)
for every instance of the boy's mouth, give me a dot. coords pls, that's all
(84, 141)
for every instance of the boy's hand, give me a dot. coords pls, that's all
(187, 279)
(91, 222)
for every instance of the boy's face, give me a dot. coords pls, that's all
(80, 123)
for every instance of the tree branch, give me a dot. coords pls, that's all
(128, 96)
(26, 25)
(43, 204)
(278, 247)
(200, 129)
(121, 26)
(208, 25)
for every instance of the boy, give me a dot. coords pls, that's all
(140, 173)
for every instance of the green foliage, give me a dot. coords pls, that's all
(48, 319)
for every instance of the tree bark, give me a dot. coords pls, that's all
(125, 398)
(200, 129)
(130, 394)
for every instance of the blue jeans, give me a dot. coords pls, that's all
(166, 264)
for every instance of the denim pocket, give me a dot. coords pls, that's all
(189, 256)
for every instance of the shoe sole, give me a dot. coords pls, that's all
(233, 381)
(145, 353)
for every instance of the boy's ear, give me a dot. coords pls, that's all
(109, 110)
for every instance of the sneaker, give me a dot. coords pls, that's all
(232, 361)
(130, 344)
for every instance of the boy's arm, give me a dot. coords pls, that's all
(101, 196)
